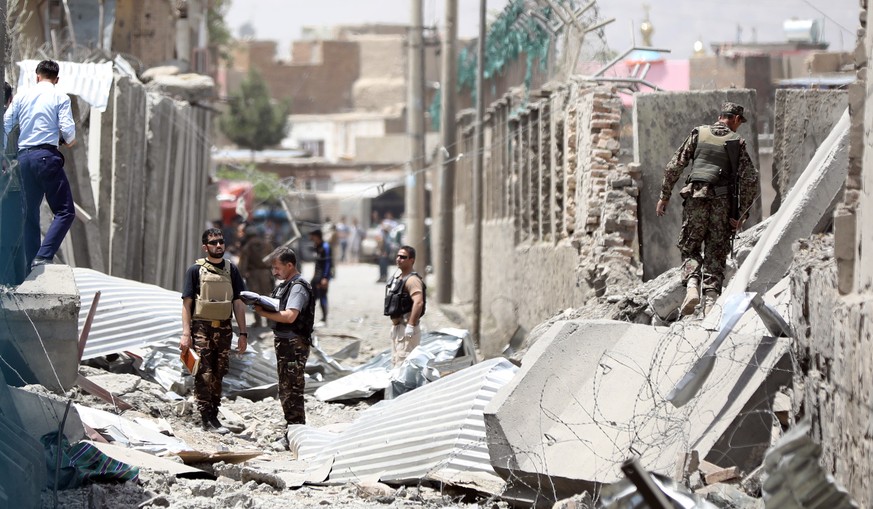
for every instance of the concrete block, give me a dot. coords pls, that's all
(187, 87)
(804, 118)
(40, 341)
(662, 121)
(805, 205)
(598, 390)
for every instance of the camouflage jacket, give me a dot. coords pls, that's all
(748, 174)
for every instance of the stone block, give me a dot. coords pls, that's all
(39, 343)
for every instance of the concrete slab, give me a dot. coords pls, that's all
(43, 413)
(662, 121)
(39, 342)
(804, 118)
(592, 393)
(808, 200)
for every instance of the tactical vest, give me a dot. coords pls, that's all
(398, 302)
(215, 300)
(305, 321)
(711, 162)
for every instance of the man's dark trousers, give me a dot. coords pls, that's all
(42, 174)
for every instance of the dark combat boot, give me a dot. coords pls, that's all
(213, 425)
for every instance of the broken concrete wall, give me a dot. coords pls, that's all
(662, 121)
(39, 340)
(834, 374)
(556, 203)
(141, 176)
(834, 337)
(598, 393)
(804, 118)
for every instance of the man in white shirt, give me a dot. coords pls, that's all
(46, 120)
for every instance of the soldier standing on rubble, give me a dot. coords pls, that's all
(293, 331)
(717, 197)
(209, 297)
(405, 303)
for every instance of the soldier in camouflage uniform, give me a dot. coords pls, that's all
(209, 297)
(718, 194)
(293, 331)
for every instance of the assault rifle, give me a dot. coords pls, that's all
(733, 151)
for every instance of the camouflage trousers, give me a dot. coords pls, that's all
(705, 241)
(291, 357)
(212, 343)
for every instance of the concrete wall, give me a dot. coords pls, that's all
(804, 118)
(560, 212)
(834, 374)
(752, 71)
(141, 173)
(662, 121)
(145, 29)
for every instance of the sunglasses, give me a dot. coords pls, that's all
(402, 257)
(216, 242)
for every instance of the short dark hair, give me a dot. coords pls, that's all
(7, 90)
(212, 232)
(48, 69)
(409, 250)
(284, 255)
(317, 233)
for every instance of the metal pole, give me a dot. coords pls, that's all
(477, 179)
(448, 94)
(415, 128)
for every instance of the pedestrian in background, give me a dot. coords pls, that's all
(405, 304)
(254, 264)
(292, 332)
(356, 237)
(342, 233)
(323, 272)
(210, 296)
(718, 194)
(45, 119)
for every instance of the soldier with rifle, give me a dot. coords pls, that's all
(718, 194)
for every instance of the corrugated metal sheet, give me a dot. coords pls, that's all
(435, 431)
(129, 315)
(92, 82)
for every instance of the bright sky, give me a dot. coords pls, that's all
(710, 21)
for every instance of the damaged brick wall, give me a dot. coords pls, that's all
(560, 211)
(833, 373)
(832, 309)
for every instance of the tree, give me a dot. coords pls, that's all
(253, 120)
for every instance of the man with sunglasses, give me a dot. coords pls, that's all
(209, 298)
(405, 303)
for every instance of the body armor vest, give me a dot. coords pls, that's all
(215, 300)
(398, 302)
(711, 162)
(305, 321)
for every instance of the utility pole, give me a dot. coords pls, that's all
(415, 177)
(448, 100)
(477, 178)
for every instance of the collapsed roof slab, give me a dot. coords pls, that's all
(590, 394)
(39, 339)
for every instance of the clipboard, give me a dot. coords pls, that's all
(191, 360)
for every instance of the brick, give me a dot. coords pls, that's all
(725, 474)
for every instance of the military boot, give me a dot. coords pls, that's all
(709, 298)
(213, 425)
(692, 298)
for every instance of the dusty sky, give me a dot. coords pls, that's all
(707, 20)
